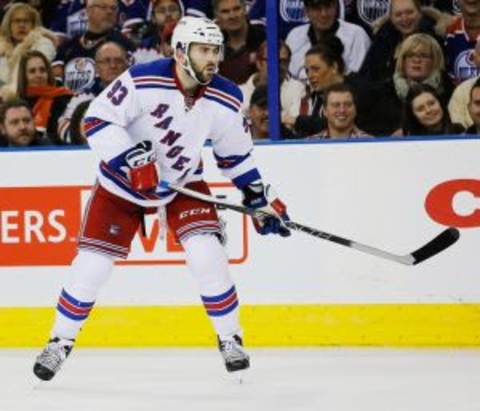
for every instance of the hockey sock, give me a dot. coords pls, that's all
(89, 271)
(208, 263)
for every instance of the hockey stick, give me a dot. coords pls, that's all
(438, 244)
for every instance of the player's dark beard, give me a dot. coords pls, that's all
(200, 74)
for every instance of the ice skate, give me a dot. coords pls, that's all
(52, 357)
(235, 357)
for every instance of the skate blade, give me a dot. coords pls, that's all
(35, 383)
(238, 376)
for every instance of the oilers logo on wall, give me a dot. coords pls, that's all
(371, 10)
(80, 74)
(292, 11)
(465, 67)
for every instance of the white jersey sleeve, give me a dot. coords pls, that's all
(108, 117)
(232, 140)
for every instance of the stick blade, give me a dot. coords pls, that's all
(441, 242)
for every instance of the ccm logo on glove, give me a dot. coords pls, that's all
(141, 159)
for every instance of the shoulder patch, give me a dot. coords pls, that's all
(224, 92)
(156, 74)
(226, 86)
(160, 68)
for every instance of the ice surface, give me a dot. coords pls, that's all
(279, 380)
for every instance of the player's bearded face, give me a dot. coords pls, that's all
(204, 59)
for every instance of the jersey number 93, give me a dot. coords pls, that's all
(117, 93)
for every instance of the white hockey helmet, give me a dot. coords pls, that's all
(195, 30)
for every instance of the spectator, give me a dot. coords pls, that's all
(195, 8)
(74, 62)
(462, 35)
(291, 90)
(425, 114)
(77, 134)
(71, 17)
(46, 8)
(474, 108)
(405, 18)
(258, 115)
(21, 30)
(242, 39)
(324, 67)
(458, 106)
(291, 15)
(340, 111)
(16, 125)
(36, 85)
(166, 14)
(111, 60)
(324, 22)
(420, 61)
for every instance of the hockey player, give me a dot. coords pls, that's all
(150, 125)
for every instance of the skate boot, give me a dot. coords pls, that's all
(233, 354)
(52, 357)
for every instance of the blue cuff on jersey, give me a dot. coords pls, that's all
(118, 164)
(246, 178)
(92, 125)
(164, 184)
(225, 163)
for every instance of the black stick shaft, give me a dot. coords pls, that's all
(433, 247)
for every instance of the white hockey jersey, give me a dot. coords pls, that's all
(147, 103)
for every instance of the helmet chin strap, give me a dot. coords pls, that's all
(191, 73)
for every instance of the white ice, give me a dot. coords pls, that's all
(279, 380)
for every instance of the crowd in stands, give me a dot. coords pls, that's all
(347, 68)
